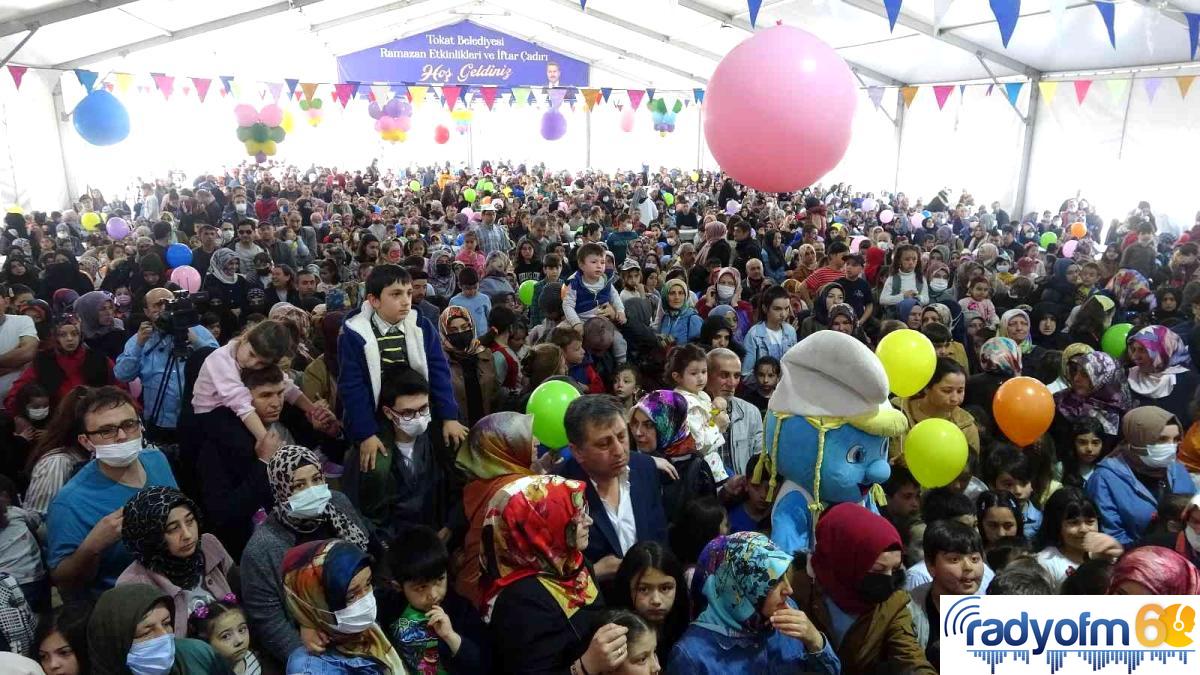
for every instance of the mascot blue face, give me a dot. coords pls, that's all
(854, 460)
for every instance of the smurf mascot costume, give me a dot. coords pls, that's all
(828, 425)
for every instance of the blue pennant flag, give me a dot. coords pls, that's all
(753, 6)
(1193, 30)
(1007, 12)
(698, 94)
(399, 90)
(650, 94)
(291, 85)
(606, 92)
(893, 11)
(583, 4)
(87, 78)
(227, 82)
(1108, 10)
(1013, 89)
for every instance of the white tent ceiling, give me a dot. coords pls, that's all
(662, 43)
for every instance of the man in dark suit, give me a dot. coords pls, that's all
(623, 490)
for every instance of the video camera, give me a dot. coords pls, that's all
(179, 316)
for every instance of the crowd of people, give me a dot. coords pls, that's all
(281, 426)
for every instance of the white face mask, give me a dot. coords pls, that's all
(725, 292)
(240, 207)
(1159, 455)
(119, 455)
(37, 414)
(938, 285)
(1002, 268)
(414, 427)
(309, 502)
(357, 616)
(226, 236)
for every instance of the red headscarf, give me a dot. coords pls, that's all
(849, 540)
(874, 260)
(1161, 570)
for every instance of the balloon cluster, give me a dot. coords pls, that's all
(313, 110)
(392, 120)
(260, 130)
(462, 120)
(664, 120)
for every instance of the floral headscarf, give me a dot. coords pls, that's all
(1109, 398)
(1130, 288)
(498, 450)
(1026, 344)
(63, 302)
(1161, 570)
(1074, 349)
(280, 469)
(316, 578)
(668, 412)
(529, 531)
(449, 314)
(143, 531)
(746, 566)
(1000, 355)
(1170, 357)
(444, 285)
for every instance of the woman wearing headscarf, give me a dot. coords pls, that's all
(440, 269)
(1129, 484)
(494, 282)
(498, 451)
(130, 632)
(161, 529)
(1154, 570)
(715, 245)
(329, 590)
(1097, 388)
(806, 262)
(320, 376)
(749, 623)
(226, 290)
(64, 364)
(727, 290)
(819, 318)
(64, 273)
(875, 258)
(102, 331)
(856, 596)
(909, 311)
(472, 371)
(658, 425)
(1046, 327)
(1161, 374)
(19, 270)
(1133, 294)
(305, 510)
(538, 593)
(1016, 325)
(678, 319)
(999, 360)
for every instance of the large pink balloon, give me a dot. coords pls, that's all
(246, 114)
(403, 123)
(187, 277)
(778, 110)
(886, 216)
(627, 120)
(272, 115)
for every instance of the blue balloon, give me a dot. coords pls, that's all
(926, 214)
(101, 119)
(178, 255)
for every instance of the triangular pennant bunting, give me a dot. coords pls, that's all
(291, 85)
(451, 92)
(520, 96)
(962, 90)
(583, 4)
(416, 94)
(1152, 84)
(309, 89)
(753, 6)
(380, 93)
(276, 89)
(875, 94)
(18, 74)
(990, 88)
(489, 96)
(1193, 21)
(1081, 90)
(124, 80)
(893, 11)
(590, 98)
(605, 92)
(942, 92)
(165, 84)
(635, 97)
(557, 95)
(697, 95)
(1185, 83)
(1013, 89)
(1108, 10)
(87, 78)
(1006, 12)
(342, 92)
(650, 94)
(1048, 90)
(1117, 88)
(909, 93)
(227, 83)
(202, 84)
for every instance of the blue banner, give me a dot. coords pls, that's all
(463, 53)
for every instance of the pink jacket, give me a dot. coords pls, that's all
(219, 384)
(217, 565)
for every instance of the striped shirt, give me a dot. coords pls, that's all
(390, 338)
(50, 473)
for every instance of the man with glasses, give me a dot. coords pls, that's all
(85, 552)
(245, 248)
(401, 489)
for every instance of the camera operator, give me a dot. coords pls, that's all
(146, 356)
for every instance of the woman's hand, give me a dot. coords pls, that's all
(1098, 544)
(607, 649)
(666, 467)
(795, 624)
(314, 640)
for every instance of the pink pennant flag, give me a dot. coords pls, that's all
(451, 92)
(1081, 90)
(108, 86)
(1152, 85)
(201, 84)
(489, 95)
(165, 84)
(635, 97)
(186, 90)
(18, 74)
(341, 92)
(276, 89)
(942, 92)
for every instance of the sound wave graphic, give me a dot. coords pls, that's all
(1097, 658)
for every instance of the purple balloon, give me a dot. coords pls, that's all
(392, 109)
(117, 227)
(554, 125)
(260, 157)
(374, 110)
(404, 109)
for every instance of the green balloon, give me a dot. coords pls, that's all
(277, 134)
(260, 133)
(469, 195)
(548, 405)
(244, 134)
(668, 198)
(1049, 238)
(488, 186)
(303, 104)
(414, 185)
(316, 103)
(1115, 339)
(525, 292)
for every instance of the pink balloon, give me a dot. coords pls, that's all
(627, 120)
(272, 115)
(403, 123)
(856, 244)
(379, 124)
(468, 211)
(387, 123)
(916, 219)
(246, 115)
(778, 110)
(1068, 248)
(886, 216)
(187, 277)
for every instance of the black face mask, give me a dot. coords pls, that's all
(461, 340)
(263, 271)
(442, 269)
(877, 587)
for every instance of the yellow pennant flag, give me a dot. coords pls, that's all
(909, 93)
(123, 82)
(521, 94)
(1048, 89)
(236, 89)
(417, 92)
(1185, 83)
(1117, 88)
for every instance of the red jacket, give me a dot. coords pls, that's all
(84, 367)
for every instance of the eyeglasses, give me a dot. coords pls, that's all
(109, 432)
(410, 415)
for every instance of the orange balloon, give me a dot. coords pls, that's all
(1024, 409)
(1078, 230)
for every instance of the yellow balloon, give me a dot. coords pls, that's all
(90, 220)
(935, 451)
(908, 358)
(695, 176)
(288, 122)
(268, 148)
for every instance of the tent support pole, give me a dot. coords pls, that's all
(898, 122)
(979, 55)
(1027, 145)
(60, 121)
(588, 127)
(13, 52)
(1125, 121)
(699, 137)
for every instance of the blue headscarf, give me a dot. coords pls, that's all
(748, 566)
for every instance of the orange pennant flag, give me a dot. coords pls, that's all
(309, 89)
(1185, 83)
(590, 97)
(909, 93)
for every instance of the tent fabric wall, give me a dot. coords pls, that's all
(32, 174)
